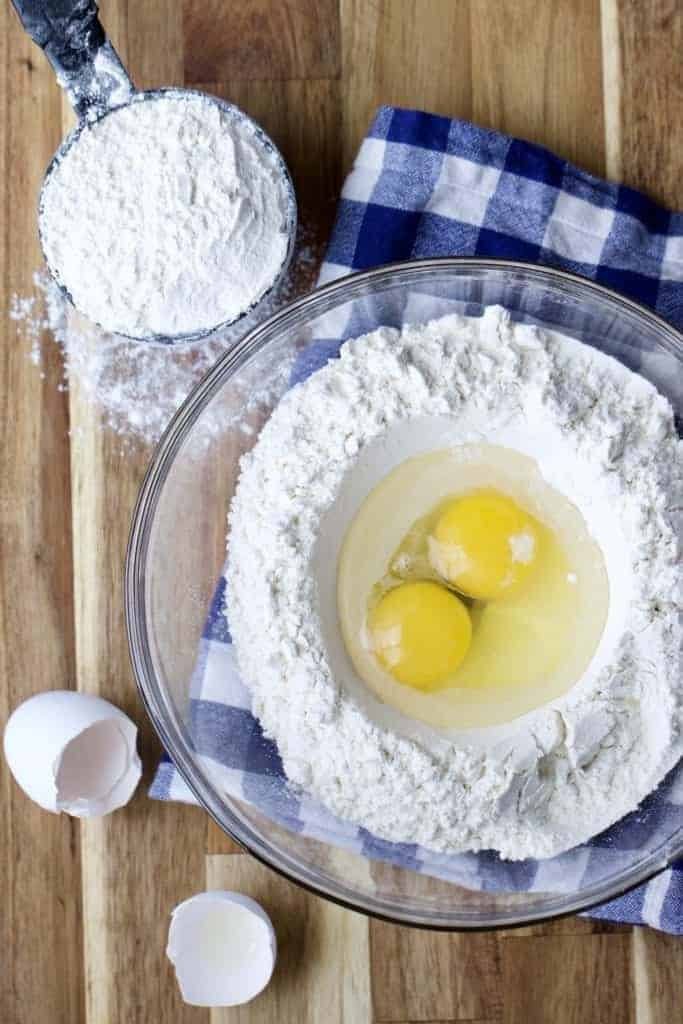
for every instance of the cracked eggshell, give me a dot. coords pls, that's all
(73, 752)
(223, 947)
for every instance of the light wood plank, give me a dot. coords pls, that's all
(611, 86)
(40, 934)
(567, 980)
(138, 863)
(658, 973)
(322, 970)
(405, 53)
(422, 975)
(573, 925)
(537, 74)
(258, 39)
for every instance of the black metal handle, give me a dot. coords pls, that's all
(68, 30)
(70, 33)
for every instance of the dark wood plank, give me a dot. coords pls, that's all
(567, 980)
(645, 97)
(573, 925)
(650, 98)
(40, 932)
(423, 976)
(322, 971)
(258, 39)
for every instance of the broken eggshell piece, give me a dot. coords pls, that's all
(223, 947)
(73, 752)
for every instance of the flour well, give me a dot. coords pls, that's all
(168, 217)
(602, 436)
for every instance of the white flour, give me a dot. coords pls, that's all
(602, 436)
(168, 217)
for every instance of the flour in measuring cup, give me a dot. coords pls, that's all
(168, 216)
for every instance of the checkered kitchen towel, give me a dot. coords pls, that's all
(429, 186)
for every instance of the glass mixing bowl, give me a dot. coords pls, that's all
(177, 550)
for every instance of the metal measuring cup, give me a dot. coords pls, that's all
(97, 84)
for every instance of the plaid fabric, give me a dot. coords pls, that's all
(429, 186)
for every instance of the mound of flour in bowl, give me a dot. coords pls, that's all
(601, 435)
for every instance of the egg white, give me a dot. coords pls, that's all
(459, 460)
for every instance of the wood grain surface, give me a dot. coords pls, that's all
(85, 908)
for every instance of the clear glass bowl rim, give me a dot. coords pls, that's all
(173, 735)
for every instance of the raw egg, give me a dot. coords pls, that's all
(469, 591)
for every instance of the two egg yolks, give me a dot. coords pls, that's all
(484, 546)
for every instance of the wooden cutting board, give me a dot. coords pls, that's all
(85, 909)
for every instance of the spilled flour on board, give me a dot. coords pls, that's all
(138, 386)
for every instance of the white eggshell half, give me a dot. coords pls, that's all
(223, 947)
(73, 752)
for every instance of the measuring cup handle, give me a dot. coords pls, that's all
(86, 64)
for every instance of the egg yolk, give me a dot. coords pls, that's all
(420, 632)
(484, 544)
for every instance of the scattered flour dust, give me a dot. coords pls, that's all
(138, 386)
(601, 435)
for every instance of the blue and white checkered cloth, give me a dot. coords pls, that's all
(427, 186)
